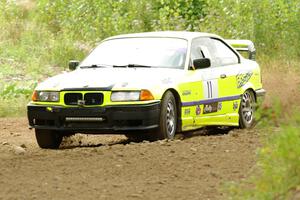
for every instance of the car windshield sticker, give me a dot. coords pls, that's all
(243, 78)
(210, 108)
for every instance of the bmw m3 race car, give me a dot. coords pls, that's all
(157, 83)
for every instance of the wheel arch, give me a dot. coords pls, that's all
(249, 87)
(253, 91)
(243, 122)
(178, 106)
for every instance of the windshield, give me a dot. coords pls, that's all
(153, 52)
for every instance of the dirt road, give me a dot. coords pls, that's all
(194, 166)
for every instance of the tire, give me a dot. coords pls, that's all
(48, 139)
(247, 110)
(168, 117)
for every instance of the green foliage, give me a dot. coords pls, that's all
(277, 28)
(278, 164)
(15, 90)
(13, 107)
(94, 20)
(180, 14)
(229, 18)
(29, 52)
(267, 116)
(273, 25)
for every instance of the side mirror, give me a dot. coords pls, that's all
(73, 64)
(201, 63)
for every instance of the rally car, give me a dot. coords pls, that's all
(155, 83)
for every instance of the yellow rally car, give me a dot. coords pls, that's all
(160, 83)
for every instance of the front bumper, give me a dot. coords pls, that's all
(109, 119)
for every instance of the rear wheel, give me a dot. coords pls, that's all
(247, 109)
(48, 139)
(168, 117)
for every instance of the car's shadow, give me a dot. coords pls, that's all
(208, 131)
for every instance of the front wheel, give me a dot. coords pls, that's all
(48, 139)
(168, 117)
(247, 109)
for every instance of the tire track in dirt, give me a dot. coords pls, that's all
(110, 167)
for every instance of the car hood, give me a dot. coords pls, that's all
(112, 78)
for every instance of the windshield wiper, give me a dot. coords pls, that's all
(133, 66)
(95, 66)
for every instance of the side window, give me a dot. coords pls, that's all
(205, 52)
(205, 48)
(223, 55)
(196, 52)
(199, 50)
(218, 52)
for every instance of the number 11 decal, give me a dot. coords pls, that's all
(210, 89)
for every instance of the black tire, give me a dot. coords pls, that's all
(247, 110)
(48, 139)
(168, 117)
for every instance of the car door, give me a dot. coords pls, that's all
(225, 67)
(218, 82)
(202, 47)
(205, 86)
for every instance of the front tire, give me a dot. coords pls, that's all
(168, 117)
(48, 139)
(247, 110)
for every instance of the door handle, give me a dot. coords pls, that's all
(223, 76)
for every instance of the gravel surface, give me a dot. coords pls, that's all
(196, 165)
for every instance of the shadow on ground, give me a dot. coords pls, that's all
(88, 141)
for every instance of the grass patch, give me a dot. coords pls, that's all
(29, 53)
(13, 107)
(277, 174)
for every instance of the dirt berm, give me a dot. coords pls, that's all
(194, 166)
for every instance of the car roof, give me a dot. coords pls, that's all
(168, 34)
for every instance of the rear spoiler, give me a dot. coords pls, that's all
(244, 46)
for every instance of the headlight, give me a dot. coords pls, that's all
(125, 96)
(142, 95)
(45, 96)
